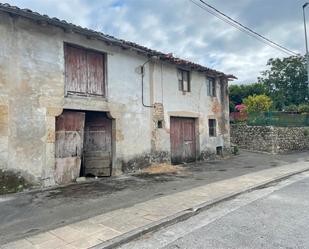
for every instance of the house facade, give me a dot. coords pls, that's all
(76, 102)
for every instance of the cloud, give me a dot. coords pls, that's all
(189, 32)
(74, 11)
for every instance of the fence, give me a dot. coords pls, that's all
(238, 117)
(279, 119)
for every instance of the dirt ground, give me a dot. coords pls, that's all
(164, 168)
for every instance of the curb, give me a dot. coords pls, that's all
(185, 214)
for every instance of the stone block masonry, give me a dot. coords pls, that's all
(270, 139)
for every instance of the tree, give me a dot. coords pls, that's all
(239, 92)
(285, 81)
(258, 103)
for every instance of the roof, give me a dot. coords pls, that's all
(44, 19)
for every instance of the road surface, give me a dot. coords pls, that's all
(276, 216)
(27, 214)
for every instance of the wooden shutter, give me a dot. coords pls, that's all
(85, 71)
(95, 63)
(180, 81)
(186, 81)
(76, 70)
(213, 87)
(208, 86)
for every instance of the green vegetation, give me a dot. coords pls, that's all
(303, 108)
(11, 182)
(291, 108)
(239, 92)
(284, 82)
(257, 103)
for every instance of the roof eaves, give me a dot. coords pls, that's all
(108, 39)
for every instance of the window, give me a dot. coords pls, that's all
(219, 151)
(212, 127)
(183, 80)
(160, 124)
(211, 87)
(84, 71)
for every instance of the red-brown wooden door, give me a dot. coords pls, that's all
(182, 135)
(97, 156)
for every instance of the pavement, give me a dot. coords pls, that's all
(137, 214)
(275, 216)
(30, 213)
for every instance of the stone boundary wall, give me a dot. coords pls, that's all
(269, 138)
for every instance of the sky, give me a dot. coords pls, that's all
(187, 31)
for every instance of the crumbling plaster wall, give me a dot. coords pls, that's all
(196, 104)
(32, 95)
(29, 68)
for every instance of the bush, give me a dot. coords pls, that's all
(304, 108)
(240, 108)
(258, 103)
(291, 108)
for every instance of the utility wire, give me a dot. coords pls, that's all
(245, 27)
(239, 28)
(217, 13)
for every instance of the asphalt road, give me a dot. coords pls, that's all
(27, 214)
(273, 217)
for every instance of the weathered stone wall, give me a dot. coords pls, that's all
(294, 138)
(270, 139)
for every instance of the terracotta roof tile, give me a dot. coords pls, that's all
(27, 13)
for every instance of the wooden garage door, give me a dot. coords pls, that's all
(97, 158)
(183, 145)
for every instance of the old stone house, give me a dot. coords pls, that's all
(77, 102)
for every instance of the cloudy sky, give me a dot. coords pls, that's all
(182, 28)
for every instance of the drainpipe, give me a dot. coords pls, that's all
(143, 74)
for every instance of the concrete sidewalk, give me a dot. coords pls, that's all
(113, 228)
(30, 213)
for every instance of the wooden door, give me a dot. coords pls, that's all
(182, 135)
(97, 157)
(69, 145)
